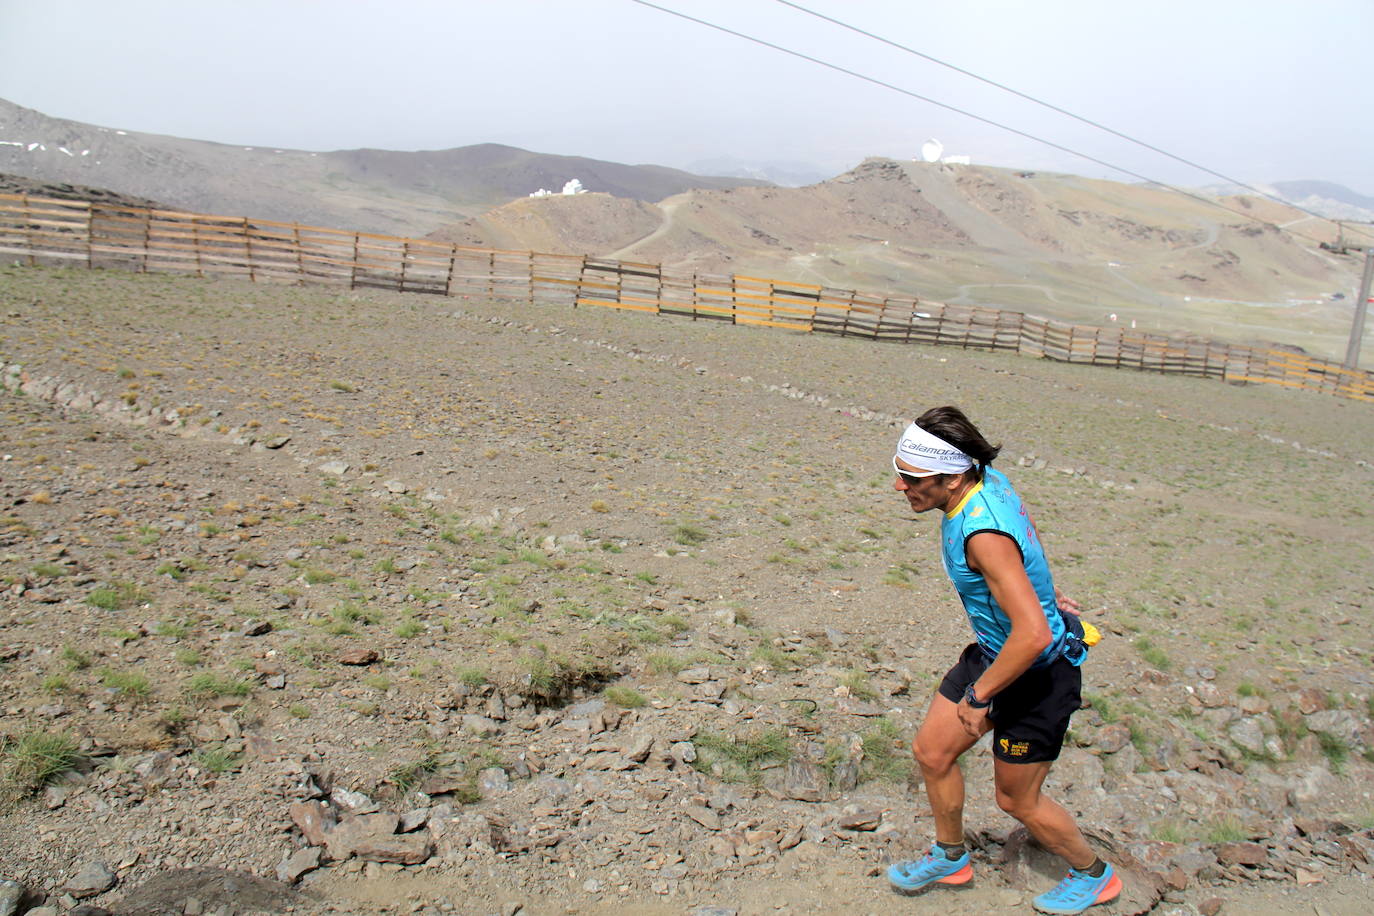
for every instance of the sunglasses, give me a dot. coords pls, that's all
(910, 478)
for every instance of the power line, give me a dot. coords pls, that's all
(1055, 108)
(968, 114)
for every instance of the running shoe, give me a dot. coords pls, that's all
(1078, 891)
(935, 868)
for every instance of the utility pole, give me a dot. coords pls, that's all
(1352, 350)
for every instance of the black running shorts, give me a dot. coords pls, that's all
(1031, 715)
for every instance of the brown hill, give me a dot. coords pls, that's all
(1074, 248)
(402, 193)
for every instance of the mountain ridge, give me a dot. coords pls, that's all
(373, 190)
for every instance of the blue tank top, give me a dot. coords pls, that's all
(993, 505)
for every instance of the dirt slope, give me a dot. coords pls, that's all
(503, 569)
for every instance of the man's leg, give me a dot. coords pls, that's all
(1018, 794)
(938, 744)
(1090, 881)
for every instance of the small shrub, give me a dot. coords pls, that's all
(409, 627)
(665, 663)
(408, 776)
(56, 683)
(1337, 751)
(552, 679)
(1152, 654)
(174, 718)
(299, 711)
(171, 629)
(778, 659)
(216, 759)
(858, 684)
(128, 683)
(75, 658)
(740, 758)
(1169, 831)
(1226, 829)
(689, 534)
(472, 677)
(882, 759)
(625, 697)
(188, 657)
(208, 684)
(116, 596)
(36, 758)
(674, 624)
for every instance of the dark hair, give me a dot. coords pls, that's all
(950, 424)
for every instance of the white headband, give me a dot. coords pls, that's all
(920, 449)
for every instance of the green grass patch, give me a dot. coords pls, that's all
(740, 758)
(624, 697)
(217, 759)
(209, 684)
(35, 758)
(472, 677)
(1152, 654)
(74, 658)
(126, 683)
(859, 686)
(116, 596)
(689, 534)
(408, 776)
(1225, 829)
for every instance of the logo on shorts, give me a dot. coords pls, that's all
(1014, 748)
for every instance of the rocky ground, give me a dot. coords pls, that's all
(318, 601)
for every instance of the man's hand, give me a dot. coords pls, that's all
(1066, 603)
(974, 721)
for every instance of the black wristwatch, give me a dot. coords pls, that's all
(972, 699)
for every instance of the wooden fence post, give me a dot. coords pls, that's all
(28, 229)
(300, 259)
(452, 263)
(248, 250)
(147, 238)
(90, 231)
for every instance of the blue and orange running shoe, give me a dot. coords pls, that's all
(1078, 891)
(934, 868)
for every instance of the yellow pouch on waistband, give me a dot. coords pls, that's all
(1091, 635)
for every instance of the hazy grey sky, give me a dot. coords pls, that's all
(1259, 89)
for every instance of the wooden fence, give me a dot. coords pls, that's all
(50, 231)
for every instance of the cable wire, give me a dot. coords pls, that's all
(1055, 108)
(968, 114)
